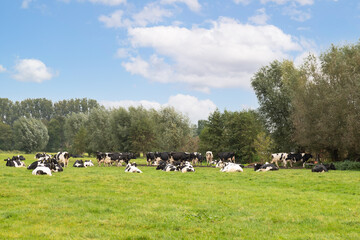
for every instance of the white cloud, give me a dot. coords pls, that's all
(32, 70)
(2, 68)
(260, 18)
(25, 3)
(109, 2)
(152, 13)
(281, 2)
(296, 14)
(194, 5)
(191, 106)
(244, 2)
(225, 55)
(115, 20)
(194, 108)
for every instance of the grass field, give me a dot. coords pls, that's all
(107, 203)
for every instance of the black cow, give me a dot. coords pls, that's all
(52, 164)
(179, 156)
(227, 156)
(14, 162)
(76, 156)
(319, 168)
(161, 165)
(150, 158)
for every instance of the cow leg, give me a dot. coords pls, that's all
(291, 164)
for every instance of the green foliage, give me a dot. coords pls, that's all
(30, 135)
(231, 131)
(274, 86)
(80, 141)
(263, 145)
(73, 123)
(56, 134)
(347, 165)
(99, 131)
(326, 107)
(6, 136)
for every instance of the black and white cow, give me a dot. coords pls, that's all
(231, 167)
(258, 167)
(63, 157)
(196, 158)
(187, 167)
(296, 157)
(42, 170)
(209, 158)
(132, 167)
(52, 164)
(42, 156)
(79, 164)
(88, 163)
(14, 162)
(227, 156)
(278, 157)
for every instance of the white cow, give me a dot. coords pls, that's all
(41, 170)
(231, 167)
(132, 167)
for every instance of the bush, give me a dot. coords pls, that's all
(347, 165)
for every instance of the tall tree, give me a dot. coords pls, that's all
(6, 137)
(30, 134)
(274, 86)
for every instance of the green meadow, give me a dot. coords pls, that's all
(107, 203)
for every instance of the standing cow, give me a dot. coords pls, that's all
(209, 157)
(63, 157)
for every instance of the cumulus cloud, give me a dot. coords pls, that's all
(224, 55)
(193, 5)
(150, 14)
(32, 70)
(2, 68)
(191, 106)
(260, 18)
(114, 20)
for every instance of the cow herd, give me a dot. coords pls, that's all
(166, 161)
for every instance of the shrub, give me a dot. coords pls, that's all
(347, 165)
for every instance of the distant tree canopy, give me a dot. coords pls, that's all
(315, 107)
(232, 131)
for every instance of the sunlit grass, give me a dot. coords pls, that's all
(107, 203)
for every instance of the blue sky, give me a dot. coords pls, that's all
(193, 55)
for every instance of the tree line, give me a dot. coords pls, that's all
(316, 106)
(82, 125)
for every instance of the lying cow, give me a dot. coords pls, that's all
(231, 167)
(52, 164)
(323, 167)
(132, 167)
(78, 163)
(187, 168)
(42, 170)
(88, 163)
(14, 162)
(258, 167)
